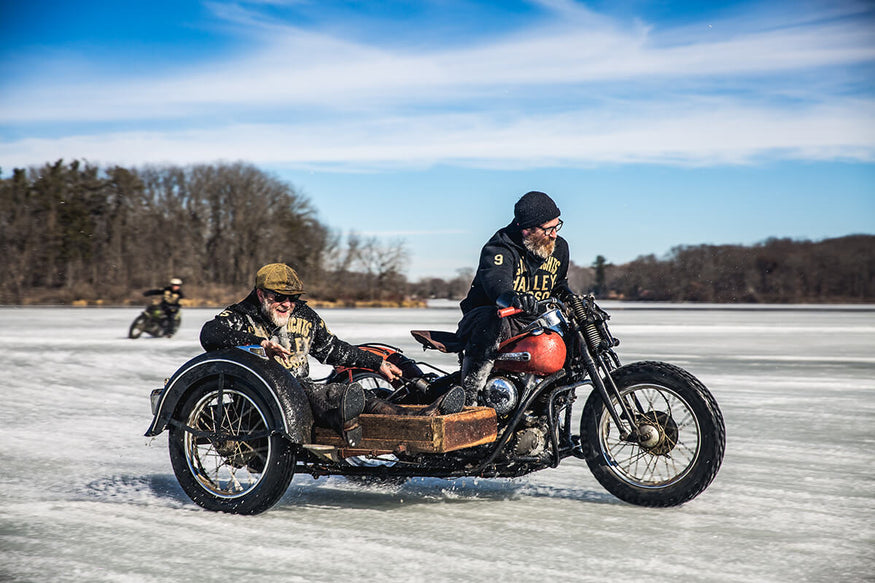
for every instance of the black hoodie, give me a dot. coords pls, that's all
(244, 324)
(505, 264)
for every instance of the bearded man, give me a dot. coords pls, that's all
(275, 317)
(523, 263)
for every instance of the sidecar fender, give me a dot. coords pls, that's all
(281, 392)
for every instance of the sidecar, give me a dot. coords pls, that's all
(240, 426)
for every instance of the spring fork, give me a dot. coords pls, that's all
(593, 371)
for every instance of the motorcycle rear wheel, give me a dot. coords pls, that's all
(375, 383)
(220, 469)
(686, 452)
(137, 326)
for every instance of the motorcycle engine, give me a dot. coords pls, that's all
(500, 394)
(529, 441)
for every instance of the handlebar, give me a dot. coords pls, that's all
(509, 311)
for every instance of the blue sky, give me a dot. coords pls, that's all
(652, 124)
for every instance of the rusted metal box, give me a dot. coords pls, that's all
(396, 433)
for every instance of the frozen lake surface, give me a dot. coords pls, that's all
(87, 498)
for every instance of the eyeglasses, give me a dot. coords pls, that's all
(280, 298)
(551, 230)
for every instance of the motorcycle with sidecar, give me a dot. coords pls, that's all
(651, 433)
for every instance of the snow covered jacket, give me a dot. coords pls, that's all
(305, 334)
(505, 264)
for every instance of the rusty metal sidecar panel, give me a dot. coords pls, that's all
(410, 433)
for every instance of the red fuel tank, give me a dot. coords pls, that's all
(546, 353)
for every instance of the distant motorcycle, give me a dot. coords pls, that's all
(650, 432)
(154, 321)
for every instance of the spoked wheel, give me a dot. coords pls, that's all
(137, 326)
(228, 458)
(375, 383)
(678, 449)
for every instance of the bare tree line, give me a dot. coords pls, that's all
(75, 231)
(773, 271)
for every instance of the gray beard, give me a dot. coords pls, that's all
(542, 248)
(272, 314)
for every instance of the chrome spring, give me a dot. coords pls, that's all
(591, 332)
(576, 303)
(593, 338)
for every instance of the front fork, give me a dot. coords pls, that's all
(594, 368)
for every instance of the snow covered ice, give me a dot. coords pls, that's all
(87, 498)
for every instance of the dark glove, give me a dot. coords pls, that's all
(520, 301)
(526, 303)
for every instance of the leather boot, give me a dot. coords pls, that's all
(450, 402)
(474, 377)
(344, 419)
(383, 407)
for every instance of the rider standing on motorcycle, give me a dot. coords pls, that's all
(274, 317)
(170, 297)
(523, 263)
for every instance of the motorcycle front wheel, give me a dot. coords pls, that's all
(226, 458)
(685, 436)
(137, 326)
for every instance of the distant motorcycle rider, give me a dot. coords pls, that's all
(169, 305)
(522, 263)
(274, 317)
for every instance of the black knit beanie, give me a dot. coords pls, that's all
(534, 208)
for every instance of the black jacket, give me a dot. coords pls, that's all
(244, 324)
(169, 298)
(505, 264)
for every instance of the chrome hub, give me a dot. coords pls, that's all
(648, 436)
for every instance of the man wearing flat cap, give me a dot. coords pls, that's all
(274, 317)
(523, 263)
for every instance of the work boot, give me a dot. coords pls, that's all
(344, 419)
(382, 407)
(475, 373)
(450, 402)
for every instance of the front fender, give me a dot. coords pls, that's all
(280, 390)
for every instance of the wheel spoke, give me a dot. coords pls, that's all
(676, 452)
(224, 466)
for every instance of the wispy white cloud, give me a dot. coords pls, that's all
(699, 134)
(580, 90)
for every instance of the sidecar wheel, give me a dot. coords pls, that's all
(136, 328)
(220, 472)
(687, 437)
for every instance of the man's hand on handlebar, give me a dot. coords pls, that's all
(511, 303)
(526, 303)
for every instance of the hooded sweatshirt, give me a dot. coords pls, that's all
(505, 264)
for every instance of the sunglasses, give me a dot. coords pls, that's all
(280, 298)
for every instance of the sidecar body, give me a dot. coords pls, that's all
(384, 434)
(283, 397)
(242, 378)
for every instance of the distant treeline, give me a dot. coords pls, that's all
(79, 232)
(773, 271)
(75, 231)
